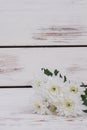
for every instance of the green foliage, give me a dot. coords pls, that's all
(86, 92)
(85, 111)
(60, 76)
(65, 79)
(47, 72)
(55, 73)
(84, 99)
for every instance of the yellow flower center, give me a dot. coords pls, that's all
(38, 84)
(38, 106)
(52, 108)
(54, 89)
(73, 89)
(69, 104)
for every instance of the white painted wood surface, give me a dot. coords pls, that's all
(43, 22)
(21, 66)
(15, 114)
(37, 22)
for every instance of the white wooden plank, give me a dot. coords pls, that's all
(20, 66)
(48, 22)
(15, 113)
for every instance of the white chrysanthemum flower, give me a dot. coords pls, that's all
(71, 107)
(40, 105)
(53, 109)
(54, 96)
(39, 85)
(39, 81)
(76, 89)
(55, 87)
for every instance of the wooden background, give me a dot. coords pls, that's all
(19, 66)
(33, 23)
(42, 22)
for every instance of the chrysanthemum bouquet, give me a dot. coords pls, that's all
(55, 94)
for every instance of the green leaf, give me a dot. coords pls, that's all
(65, 79)
(56, 72)
(61, 76)
(86, 92)
(47, 72)
(85, 102)
(83, 97)
(85, 111)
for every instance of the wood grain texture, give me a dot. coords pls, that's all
(21, 66)
(8, 64)
(15, 113)
(48, 22)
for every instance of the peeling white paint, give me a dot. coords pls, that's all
(21, 19)
(70, 61)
